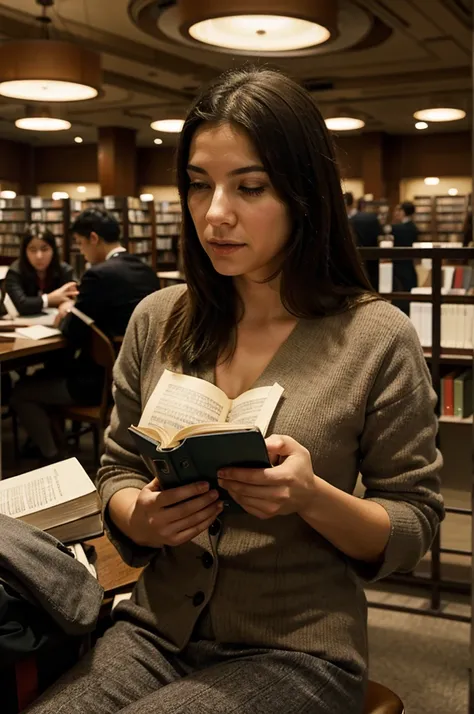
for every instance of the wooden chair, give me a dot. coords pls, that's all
(96, 417)
(380, 700)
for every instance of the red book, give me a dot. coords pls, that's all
(447, 385)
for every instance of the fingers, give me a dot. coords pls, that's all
(257, 507)
(203, 520)
(176, 513)
(153, 485)
(182, 493)
(245, 490)
(278, 445)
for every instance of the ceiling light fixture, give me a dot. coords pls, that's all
(431, 181)
(45, 70)
(157, 141)
(421, 125)
(7, 194)
(42, 124)
(344, 123)
(58, 195)
(81, 189)
(259, 26)
(440, 114)
(453, 191)
(169, 126)
(146, 197)
(41, 118)
(78, 139)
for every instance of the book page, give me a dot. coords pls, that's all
(256, 407)
(179, 400)
(42, 488)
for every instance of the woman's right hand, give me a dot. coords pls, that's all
(160, 518)
(65, 292)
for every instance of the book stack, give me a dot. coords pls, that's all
(456, 394)
(59, 499)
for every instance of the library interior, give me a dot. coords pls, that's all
(121, 125)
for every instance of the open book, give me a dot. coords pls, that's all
(59, 498)
(182, 406)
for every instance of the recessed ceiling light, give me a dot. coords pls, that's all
(81, 189)
(256, 26)
(42, 124)
(421, 125)
(57, 195)
(453, 191)
(440, 114)
(344, 123)
(7, 194)
(146, 197)
(431, 180)
(170, 126)
(158, 141)
(78, 139)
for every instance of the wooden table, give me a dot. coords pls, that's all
(22, 352)
(112, 573)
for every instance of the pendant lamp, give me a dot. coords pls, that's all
(258, 26)
(46, 70)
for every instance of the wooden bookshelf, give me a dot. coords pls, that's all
(139, 230)
(440, 218)
(168, 229)
(14, 221)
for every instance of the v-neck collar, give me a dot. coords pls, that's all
(276, 367)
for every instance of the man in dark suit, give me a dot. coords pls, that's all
(108, 293)
(405, 233)
(366, 229)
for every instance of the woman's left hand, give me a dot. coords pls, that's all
(288, 487)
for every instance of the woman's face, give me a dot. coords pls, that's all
(39, 253)
(241, 222)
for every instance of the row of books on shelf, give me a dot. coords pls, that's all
(139, 231)
(167, 229)
(456, 324)
(456, 397)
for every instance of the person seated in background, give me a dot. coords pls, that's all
(38, 279)
(405, 233)
(109, 292)
(366, 229)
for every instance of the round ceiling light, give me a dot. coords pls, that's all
(421, 125)
(259, 26)
(7, 194)
(145, 197)
(170, 126)
(78, 139)
(48, 71)
(40, 123)
(431, 181)
(439, 114)
(157, 141)
(58, 195)
(344, 123)
(453, 191)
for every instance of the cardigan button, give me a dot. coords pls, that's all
(215, 527)
(198, 598)
(207, 560)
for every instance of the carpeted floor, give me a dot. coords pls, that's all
(423, 659)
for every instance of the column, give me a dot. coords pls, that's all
(117, 161)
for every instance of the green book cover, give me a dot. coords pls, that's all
(463, 394)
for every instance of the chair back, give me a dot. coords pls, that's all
(102, 352)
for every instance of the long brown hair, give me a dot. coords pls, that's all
(321, 270)
(53, 271)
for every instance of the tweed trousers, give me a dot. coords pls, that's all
(129, 672)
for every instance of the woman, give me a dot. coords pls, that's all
(38, 279)
(263, 611)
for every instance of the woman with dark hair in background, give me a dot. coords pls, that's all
(263, 610)
(38, 279)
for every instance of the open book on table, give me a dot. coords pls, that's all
(59, 498)
(190, 428)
